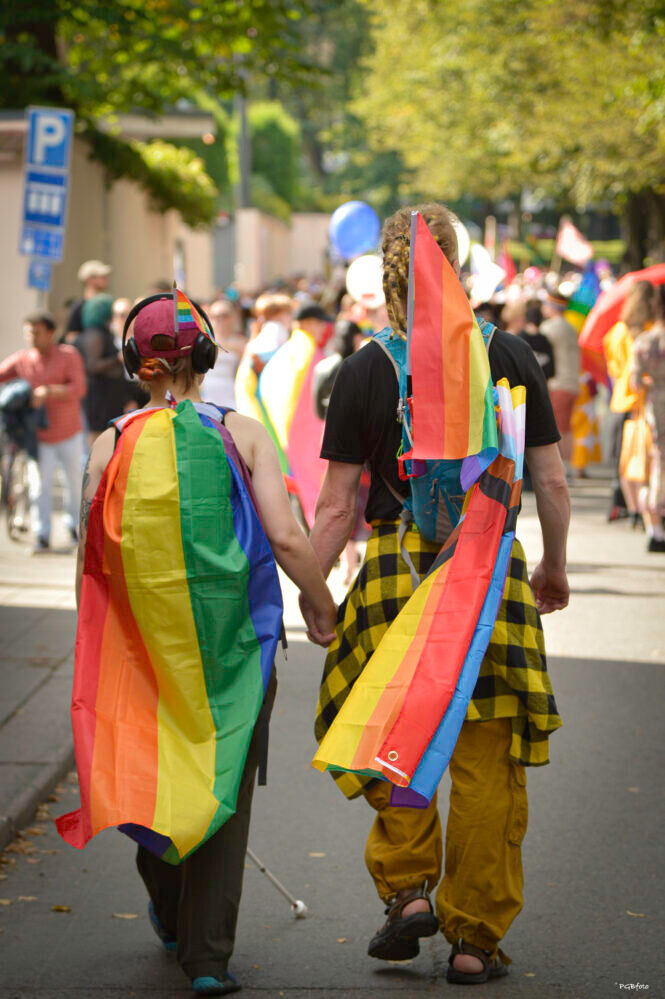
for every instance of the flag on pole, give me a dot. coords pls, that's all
(571, 245)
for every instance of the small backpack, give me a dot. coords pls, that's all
(436, 499)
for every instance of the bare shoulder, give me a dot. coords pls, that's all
(102, 450)
(249, 435)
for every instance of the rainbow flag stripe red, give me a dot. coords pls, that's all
(179, 618)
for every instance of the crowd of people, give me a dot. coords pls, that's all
(81, 392)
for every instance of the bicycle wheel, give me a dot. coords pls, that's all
(17, 503)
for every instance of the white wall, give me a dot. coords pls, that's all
(18, 300)
(309, 241)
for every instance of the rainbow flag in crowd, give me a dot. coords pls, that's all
(403, 716)
(179, 618)
(285, 394)
(186, 316)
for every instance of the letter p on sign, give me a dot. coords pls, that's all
(50, 137)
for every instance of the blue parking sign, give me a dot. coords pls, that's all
(50, 133)
(39, 275)
(46, 183)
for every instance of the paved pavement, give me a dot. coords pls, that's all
(594, 917)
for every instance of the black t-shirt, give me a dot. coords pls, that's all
(74, 322)
(362, 425)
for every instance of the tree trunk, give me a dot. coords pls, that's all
(635, 231)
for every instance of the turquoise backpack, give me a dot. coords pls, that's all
(436, 499)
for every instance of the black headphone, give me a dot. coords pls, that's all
(204, 351)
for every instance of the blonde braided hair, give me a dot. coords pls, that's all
(395, 245)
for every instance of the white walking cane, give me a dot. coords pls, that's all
(298, 908)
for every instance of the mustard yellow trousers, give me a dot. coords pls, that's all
(482, 888)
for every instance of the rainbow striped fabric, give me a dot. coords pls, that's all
(451, 407)
(403, 716)
(186, 317)
(285, 396)
(179, 618)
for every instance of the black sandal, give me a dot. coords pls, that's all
(492, 967)
(397, 940)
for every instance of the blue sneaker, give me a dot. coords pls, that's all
(206, 985)
(169, 941)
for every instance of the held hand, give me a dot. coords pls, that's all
(320, 627)
(39, 395)
(550, 588)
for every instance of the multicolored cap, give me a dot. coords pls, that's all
(177, 323)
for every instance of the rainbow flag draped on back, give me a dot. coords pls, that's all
(402, 718)
(285, 394)
(179, 618)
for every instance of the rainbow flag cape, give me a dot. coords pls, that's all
(179, 618)
(185, 316)
(402, 717)
(285, 394)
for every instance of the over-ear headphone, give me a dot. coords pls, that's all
(204, 350)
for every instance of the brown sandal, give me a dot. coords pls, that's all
(492, 967)
(397, 940)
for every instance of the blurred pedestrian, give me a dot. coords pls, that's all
(627, 401)
(584, 427)
(540, 345)
(57, 376)
(109, 392)
(94, 276)
(564, 386)
(218, 384)
(649, 375)
(275, 312)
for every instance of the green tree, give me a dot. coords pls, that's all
(275, 144)
(487, 97)
(106, 57)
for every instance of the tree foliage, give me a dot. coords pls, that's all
(490, 96)
(106, 57)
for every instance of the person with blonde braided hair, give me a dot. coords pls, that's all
(482, 889)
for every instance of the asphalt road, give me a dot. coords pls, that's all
(594, 917)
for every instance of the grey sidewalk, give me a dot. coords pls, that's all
(37, 624)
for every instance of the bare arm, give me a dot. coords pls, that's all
(98, 459)
(291, 548)
(335, 512)
(549, 582)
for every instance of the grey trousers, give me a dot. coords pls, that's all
(198, 900)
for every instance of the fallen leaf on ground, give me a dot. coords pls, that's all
(638, 915)
(32, 860)
(125, 915)
(61, 908)
(5, 901)
(633, 790)
(317, 854)
(341, 940)
(35, 831)
(529, 974)
(27, 898)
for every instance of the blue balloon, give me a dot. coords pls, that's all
(354, 229)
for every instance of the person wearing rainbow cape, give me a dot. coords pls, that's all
(397, 637)
(183, 515)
